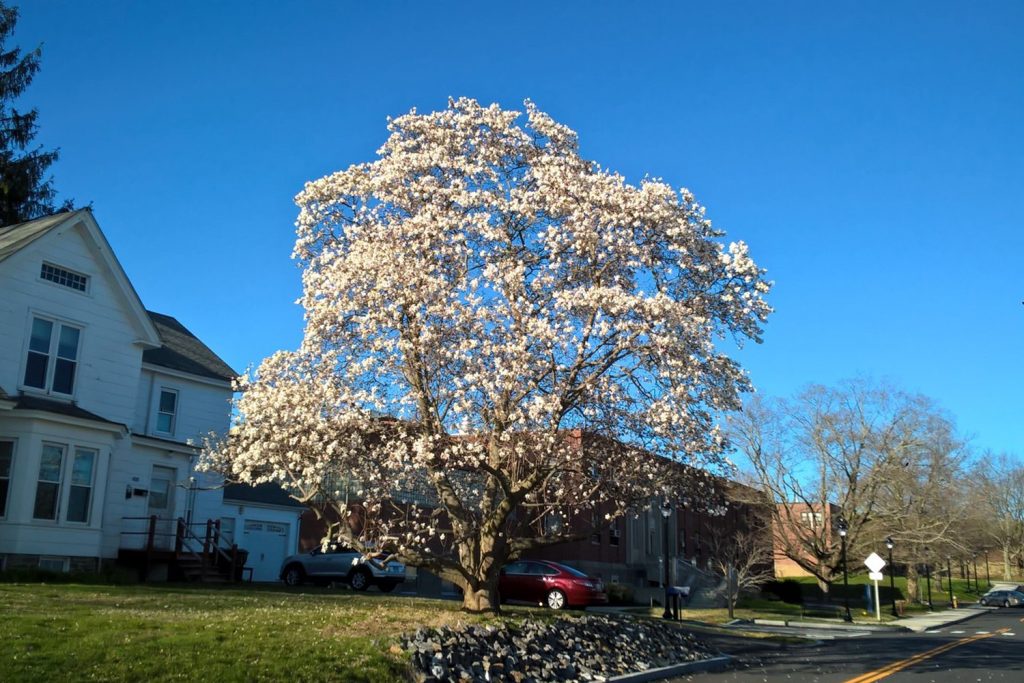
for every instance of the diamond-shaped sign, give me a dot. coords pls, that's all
(874, 562)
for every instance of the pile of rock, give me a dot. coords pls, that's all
(572, 648)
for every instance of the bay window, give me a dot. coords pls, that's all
(80, 494)
(6, 464)
(51, 463)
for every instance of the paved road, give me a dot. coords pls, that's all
(989, 647)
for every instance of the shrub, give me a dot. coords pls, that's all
(619, 594)
(786, 590)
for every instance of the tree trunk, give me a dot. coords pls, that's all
(483, 558)
(913, 579)
(483, 599)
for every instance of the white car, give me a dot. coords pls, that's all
(342, 564)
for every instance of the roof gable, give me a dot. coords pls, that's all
(15, 238)
(182, 351)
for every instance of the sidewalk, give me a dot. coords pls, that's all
(942, 618)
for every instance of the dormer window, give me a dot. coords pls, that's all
(167, 410)
(64, 277)
(52, 356)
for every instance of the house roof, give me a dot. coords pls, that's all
(181, 350)
(267, 493)
(28, 402)
(17, 236)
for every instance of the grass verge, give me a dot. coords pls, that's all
(161, 633)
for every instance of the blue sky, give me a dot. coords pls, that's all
(871, 153)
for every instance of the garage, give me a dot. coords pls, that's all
(267, 543)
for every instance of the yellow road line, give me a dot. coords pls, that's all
(890, 669)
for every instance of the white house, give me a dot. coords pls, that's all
(99, 401)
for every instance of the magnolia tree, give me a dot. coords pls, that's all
(501, 337)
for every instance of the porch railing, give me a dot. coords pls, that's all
(210, 549)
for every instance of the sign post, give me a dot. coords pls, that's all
(875, 564)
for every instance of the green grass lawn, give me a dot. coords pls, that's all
(146, 633)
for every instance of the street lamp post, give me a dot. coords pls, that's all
(843, 528)
(977, 586)
(988, 577)
(666, 511)
(928, 581)
(892, 576)
(949, 582)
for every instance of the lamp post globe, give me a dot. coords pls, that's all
(843, 528)
(666, 512)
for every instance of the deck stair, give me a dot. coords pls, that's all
(185, 555)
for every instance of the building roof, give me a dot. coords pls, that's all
(29, 402)
(182, 351)
(267, 494)
(20, 235)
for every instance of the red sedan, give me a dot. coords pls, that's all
(551, 584)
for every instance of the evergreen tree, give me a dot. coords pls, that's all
(25, 190)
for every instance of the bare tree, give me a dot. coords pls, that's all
(998, 505)
(918, 505)
(823, 454)
(744, 559)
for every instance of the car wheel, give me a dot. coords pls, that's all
(359, 580)
(386, 586)
(555, 599)
(1006, 603)
(294, 575)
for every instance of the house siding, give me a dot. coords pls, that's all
(109, 360)
(112, 411)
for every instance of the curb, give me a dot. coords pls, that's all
(824, 625)
(700, 666)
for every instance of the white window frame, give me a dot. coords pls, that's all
(69, 452)
(55, 519)
(72, 271)
(51, 355)
(91, 486)
(174, 415)
(812, 520)
(10, 475)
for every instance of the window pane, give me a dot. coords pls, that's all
(68, 344)
(78, 504)
(6, 454)
(49, 463)
(158, 493)
(41, 331)
(64, 376)
(81, 470)
(46, 501)
(35, 370)
(4, 483)
(168, 399)
(163, 422)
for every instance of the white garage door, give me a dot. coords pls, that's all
(267, 543)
